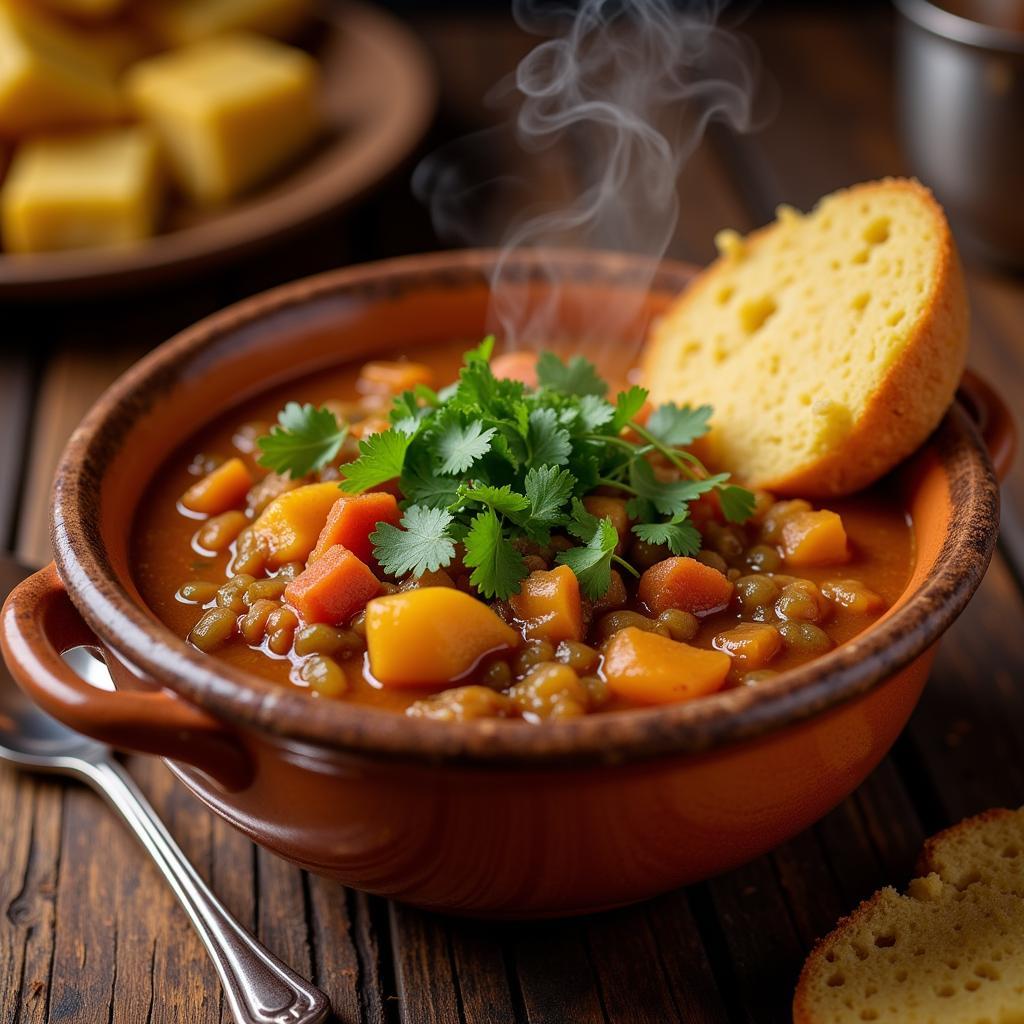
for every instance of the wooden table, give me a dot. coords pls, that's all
(90, 933)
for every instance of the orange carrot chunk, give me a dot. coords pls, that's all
(684, 583)
(548, 604)
(221, 490)
(520, 366)
(648, 668)
(333, 588)
(352, 519)
(605, 507)
(386, 377)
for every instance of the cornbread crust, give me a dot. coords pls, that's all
(725, 351)
(950, 951)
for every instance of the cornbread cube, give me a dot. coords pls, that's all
(229, 111)
(76, 191)
(47, 81)
(180, 22)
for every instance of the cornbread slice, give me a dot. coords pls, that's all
(229, 111)
(180, 22)
(988, 848)
(47, 80)
(77, 191)
(829, 344)
(951, 951)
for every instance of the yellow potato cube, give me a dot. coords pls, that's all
(229, 111)
(82, 190)
(647, 668)
(431, 637)
(47, 80)
(180, 22)
(288, 528)
(814, 538)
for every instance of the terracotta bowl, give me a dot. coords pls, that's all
(489, 818)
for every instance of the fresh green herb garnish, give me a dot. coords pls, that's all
(305, 439)
(489, 464)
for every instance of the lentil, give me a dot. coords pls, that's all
(324, 675)
(578, 656)
(197, 592)
(321, 639)
(805, 638)
(462, 704)
(219, 533)
(213, 630)
(681, 626)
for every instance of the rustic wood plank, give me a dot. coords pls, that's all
(478, 959)
(633, 982)
(555, 974)
(425, 976)
(761, 938)
(680, 946)
(29, 866)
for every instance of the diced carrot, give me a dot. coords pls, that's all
(385, 377)
(221, 490)
(352, 519)
(648, 668)
(814, 538)
(288, 527)
(371, 425)
(705, 510)
(336, 586)
(431, 636)
(548, 605)
(521, 366)
(684, 583)
(605, 507)
(752, 644)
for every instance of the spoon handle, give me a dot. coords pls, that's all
(260, 989)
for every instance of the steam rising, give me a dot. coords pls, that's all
(625, 89)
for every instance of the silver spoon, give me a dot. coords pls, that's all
(259, 988)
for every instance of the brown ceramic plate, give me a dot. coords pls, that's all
(379, 94)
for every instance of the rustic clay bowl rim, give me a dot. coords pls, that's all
(251, 702)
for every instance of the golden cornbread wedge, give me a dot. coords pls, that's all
(180, 22)
(48, 81)
(950, 951)
(829, 344)
(229, 112)
(82, 190)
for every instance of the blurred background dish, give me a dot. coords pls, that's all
(961, 91)
(374, 97)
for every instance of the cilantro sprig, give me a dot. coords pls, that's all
(488, 463)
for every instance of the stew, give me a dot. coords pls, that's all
(651, 583)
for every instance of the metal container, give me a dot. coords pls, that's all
(961, 88)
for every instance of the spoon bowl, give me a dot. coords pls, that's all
(30, 738)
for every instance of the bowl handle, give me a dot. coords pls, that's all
(994, 420)
(39, 623)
